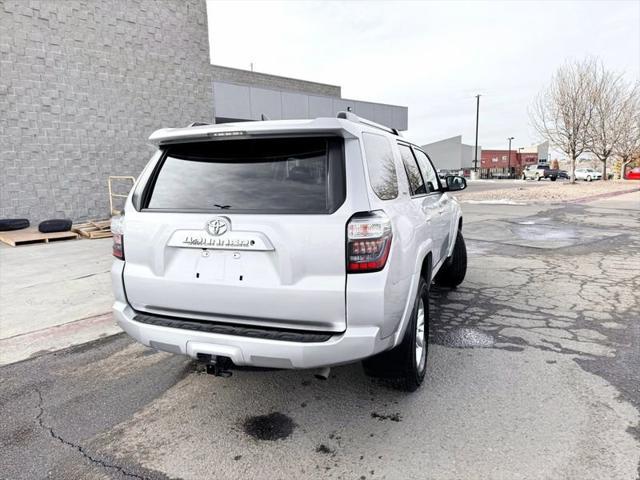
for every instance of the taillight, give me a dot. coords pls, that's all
(368, 242)
(117, 230)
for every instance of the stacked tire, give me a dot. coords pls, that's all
(9, 224)
(48, 226)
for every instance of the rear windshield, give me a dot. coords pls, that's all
(291, 175)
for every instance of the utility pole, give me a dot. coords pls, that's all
(509, 156)
(475, 161)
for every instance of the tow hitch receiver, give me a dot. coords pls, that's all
(216, 365)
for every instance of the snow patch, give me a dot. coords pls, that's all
(500, 201)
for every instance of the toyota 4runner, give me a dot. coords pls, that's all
(287, 244)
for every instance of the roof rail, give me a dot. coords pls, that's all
(197, 124)
(355, 118)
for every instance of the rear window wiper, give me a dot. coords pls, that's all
(222, 207)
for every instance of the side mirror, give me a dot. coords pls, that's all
(455, 183)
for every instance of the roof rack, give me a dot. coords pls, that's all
(355, 118)
(198, 124)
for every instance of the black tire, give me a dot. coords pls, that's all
(553, 179)
(7, 224)
(55, 225)
(400, 364)
(538, 178)
(454, 269)
(524, 177)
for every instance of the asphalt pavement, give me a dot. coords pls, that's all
(532, 373)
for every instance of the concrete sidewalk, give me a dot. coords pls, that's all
(53, 296)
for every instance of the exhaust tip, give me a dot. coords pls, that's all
(322, 373)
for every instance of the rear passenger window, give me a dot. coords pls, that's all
(413, 172)
(382, 170)
(428, 172)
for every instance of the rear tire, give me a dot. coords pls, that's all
(553, 179)
(406, 364)
(454, 269)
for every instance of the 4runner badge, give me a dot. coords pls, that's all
(218, 226)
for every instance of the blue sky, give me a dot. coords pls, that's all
(430, 56)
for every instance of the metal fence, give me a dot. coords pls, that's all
(500, 173)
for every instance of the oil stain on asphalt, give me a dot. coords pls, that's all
(274, 426)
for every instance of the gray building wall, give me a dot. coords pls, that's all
(82, 85)
(452, 154)
(445, 154)
(250, 102)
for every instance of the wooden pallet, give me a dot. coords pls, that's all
(93, 229)
(31, 235)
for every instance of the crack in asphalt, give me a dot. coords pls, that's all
(79, 448)
(575, 300)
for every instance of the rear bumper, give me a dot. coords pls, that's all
(355, 343)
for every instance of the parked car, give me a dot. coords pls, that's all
(587, 174)
(288, 244)
(564, 175)
(633, 174)
(538, 172)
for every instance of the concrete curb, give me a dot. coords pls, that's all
(603, 195)
(47, 340)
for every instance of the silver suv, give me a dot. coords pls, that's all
(287, 244)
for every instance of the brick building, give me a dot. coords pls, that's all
(500, 158)
(520, 157)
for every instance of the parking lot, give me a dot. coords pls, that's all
(532, 373)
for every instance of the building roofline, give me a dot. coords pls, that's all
(373, 103)
(261, 75)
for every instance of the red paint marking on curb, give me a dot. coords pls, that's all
(603, 195)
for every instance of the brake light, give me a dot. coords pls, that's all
(117, 230)
(368, 242)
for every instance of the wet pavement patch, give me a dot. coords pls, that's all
(274, 426)
(532, 233)
(394, 417)
(464, 337)
(544, 232)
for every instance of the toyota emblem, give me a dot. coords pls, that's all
(218, 226)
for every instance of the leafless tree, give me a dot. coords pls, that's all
(562, 112)
(627, 147)
(612, 101)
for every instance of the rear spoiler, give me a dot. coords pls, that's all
(240, 130)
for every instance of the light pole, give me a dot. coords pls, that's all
(475, 161)
(509, 156)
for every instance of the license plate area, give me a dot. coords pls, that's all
(236, 240)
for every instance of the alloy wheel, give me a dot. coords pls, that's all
(421, 338)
